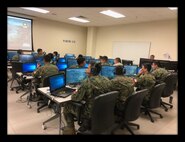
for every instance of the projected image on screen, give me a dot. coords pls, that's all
(19, 33)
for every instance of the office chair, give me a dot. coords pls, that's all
(154, 101)
(44, 100)
(102, 121)
(131, 110)
(16, 67)
(170, 81)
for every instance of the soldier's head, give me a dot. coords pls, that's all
(81, 61)
(119, 70)
(47, 59)
(146, 67)
(104, 59)
(117, 60)
(55, 53)
(93, 69)
(39, 51)
(19, 51)
(155, 65)
(152, 57)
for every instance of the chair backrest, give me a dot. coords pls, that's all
(155, 96)
(103, 112)
(16, 67)
(170, 81)
(133, 105)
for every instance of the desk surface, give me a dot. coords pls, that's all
(46, 92)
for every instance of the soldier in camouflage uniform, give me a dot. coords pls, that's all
(91, 87)
(124, 85)
(47, 70)
(159, 73)
(145, 80)
(104, 61)
(16, 57)
(81, 63)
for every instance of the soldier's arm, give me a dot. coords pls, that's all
(37, 73)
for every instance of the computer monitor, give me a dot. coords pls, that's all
(173, 65)
(69, 55)
(127, 62)
(75, 75)
(56, 82)
(111, 61)
(29, 67)
(88, 59)
(131, 70)
(26, 58)
(71, 62)
(164, 64)
(11, 54)
(61, 66)
(145, 60)
(86, 65)
(108, 71)
(61, 60)
(97, 60)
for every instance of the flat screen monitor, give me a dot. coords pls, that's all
(56, 82)
(108, 71)
(61, 60)
(71, 62)
(11, 54)
(61, 66)
(75, 75)
(130, 70)
(173, 65)
(127, 62)
(29, 67)
(86, 65)
(26, 58)
(164, 64)
(145, 60)
(111, 61)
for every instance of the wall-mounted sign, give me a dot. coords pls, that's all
(69, 41)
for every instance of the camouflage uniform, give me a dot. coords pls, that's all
(90, 88)
(125, 86)
(105, 64)
(46, 70)
(159, 74)
(15, 57)
(75, 66)
(145, 81)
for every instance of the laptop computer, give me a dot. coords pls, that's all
(57, 86)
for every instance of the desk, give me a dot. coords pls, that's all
(58, 100)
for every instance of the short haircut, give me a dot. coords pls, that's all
(147, 66)
(118, 59)
(80, 60)
(80, 56)
(156, 63)
(39, 50)
(105, 58)
(19, 51)
(152, 56)
(119, 70)
(50, 55)
(47, 58)
(55, 52)
(96, 66)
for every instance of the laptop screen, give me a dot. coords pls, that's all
(108, 71)
(71, 62)
(61, 60)
(130, 70)
(56, 82)
(29, 67)
(61, 66)
(75, 76)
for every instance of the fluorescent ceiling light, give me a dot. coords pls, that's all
(172, 8)
(112, 14)
(36, 9)
(79, 19)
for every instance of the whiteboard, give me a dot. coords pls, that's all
(131, 50)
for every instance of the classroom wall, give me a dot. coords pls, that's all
(161, 34)
(49, 36)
